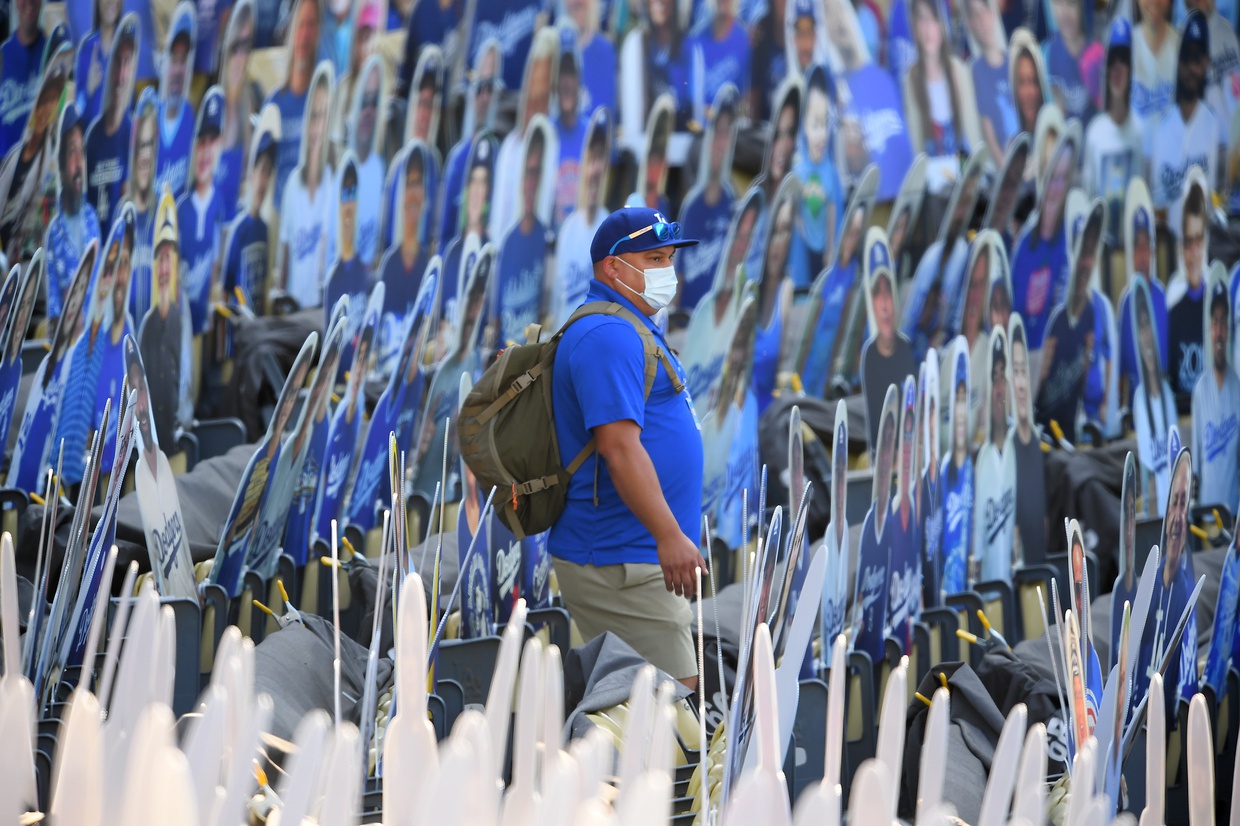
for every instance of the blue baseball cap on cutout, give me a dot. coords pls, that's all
(804, 8)
(631, 229)
(879, 257)
(183, 29)
(1121, 33)
(962, 369)
(212, 112)
(1196, 36)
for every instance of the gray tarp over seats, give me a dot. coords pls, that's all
(254, 340)
(1086, 485)
(294, 667)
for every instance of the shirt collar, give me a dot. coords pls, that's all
(601, 292)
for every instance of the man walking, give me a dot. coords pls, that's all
(625, 549)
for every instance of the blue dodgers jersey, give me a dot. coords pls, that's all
(512, 23)
(873, 565)
(200, 227)
(18, 86)
(228, 173)
(176, 140)
(585, 397)
(288, 152)
(877, 107)
(697, 265)
(766, 347)
(725, 61)
(301, 510)
(245, 261)
(89, 101)
(520, 270)
(1039, 277)
(957, 523)
(839, 283)
(337, 464)
(598, 75)
(994, 98)
(107, 166)
(1128, 340)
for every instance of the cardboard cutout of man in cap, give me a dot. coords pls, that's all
(1188, 134)
(1186, 292)
(887, 356)
(108, 137)
(160, 335)
(176, 123)
(116, 268)
(75, 222)
(1114, 138)
(648, 453)
(203, 212)
(874, 549)
(1216, 406)
(994, 510)
(405, 262)
(521, 266)
(348, 276)
(1153, 403)
(22, 58)
(45, 399)
(957, 481)
(245, 257)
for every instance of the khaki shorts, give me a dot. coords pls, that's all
(632, 602)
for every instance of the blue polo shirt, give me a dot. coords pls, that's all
(599, 377)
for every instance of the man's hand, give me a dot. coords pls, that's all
(679, 559)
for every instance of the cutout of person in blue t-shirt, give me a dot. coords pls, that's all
(246, 248)
(708, 206)
(480, 109)
(774, 292)
(22, 58)
(1074, 61)
(724, 45)
(957, 480)
(598, 56)
(290, 98)
(140, 190)
(239, 103)
(348, 276)
(570, 127)
(201, 215)
(521, 265)
(93, 50)
(991, 84)
(176, 122)
(75, 222)
(405, 261)
(822, 201)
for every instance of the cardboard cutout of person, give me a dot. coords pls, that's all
(472, 231)
(22, 57)
(240, 105)
(659, 58)
(944, 133)
(116, 268)
(598, 53)
(887, 358)
(571, 126)
(1140, 257)
(957, 497)
(805, 36)
(203, 212)
(1189, 126)
(345, 433)
(874, 550)
(347, 42)
(774, 286)
(871, 124)
(1040, 264)
(521, 265)
(930, 485)
(233, 555)
(904, 573)
(247, 237)
(535, 99)
(1006, 191)
(1114, 141)
(987, 265)
(516, 25)
(1100, 403)
(292, 97)
(176, 126)
(709, 205)
(1153, 402)
(93, 50)
(160, 336)
(994, 510)
(307, 200)
(309, 456)
(348, 277)
(991, 75)
(1186, 292)
(1125, 588)
(1231, 169)
(422, 119)
(822, 203)
(835, 583)
(64, 247)
(933, 296)
(1070, 345)
(1216, 405)
(902, 222)
(14, 338)
(1155, 48)
(651, 188)
(140, 190)
(471, 335)
(365, 131)
(723, 42)
(729, 434)
(405, 263)
(482, 102)
(158, 502)
(29, 172)
(573, 267)
(1074, 60)
(832, 328)
(108, 136)
(1046, 133)
(45, 399)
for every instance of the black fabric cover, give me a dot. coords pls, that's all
(599, 675)
(1086, 485)
(254, 341)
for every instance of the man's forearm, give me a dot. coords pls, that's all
(635, 479)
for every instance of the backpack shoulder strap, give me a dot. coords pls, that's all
(655, 354)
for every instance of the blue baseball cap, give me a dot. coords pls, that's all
(183, 29)
(879, 257)
(804, 8)
(68, 119)
(635, 229)
(1218, 295)
(212, 112)
(1121, 33)
(1196, 37)
(962, 369)
(998, 350)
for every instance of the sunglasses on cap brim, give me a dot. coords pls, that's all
(665, 232)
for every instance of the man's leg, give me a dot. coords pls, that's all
(632, 602)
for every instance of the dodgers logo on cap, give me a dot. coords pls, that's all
(879, 256)
(962, 367)
(910, 392)
(1141, 220)
(998, 352)
(1121, 32)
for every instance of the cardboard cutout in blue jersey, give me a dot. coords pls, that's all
(512, 23)
(368, 496)
(176, 116)
(774, 288)
(238, 133)
(348, 277)
(201, 213)
(416, 377)
(347, 423)
(822, 194)
(232, 554)
(14, 338)
(904, 524)
(708, 207)
(405, 264)
(1219, 659)
(244, 261)
(303, 58)
(956, 478)
(45, 399)
(874, 550)
(108, 137)
(836, 586)
(470, 335)
(472, 220)
(115, 277)
(930, 491)
(308, 462)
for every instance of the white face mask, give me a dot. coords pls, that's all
(660, 285)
